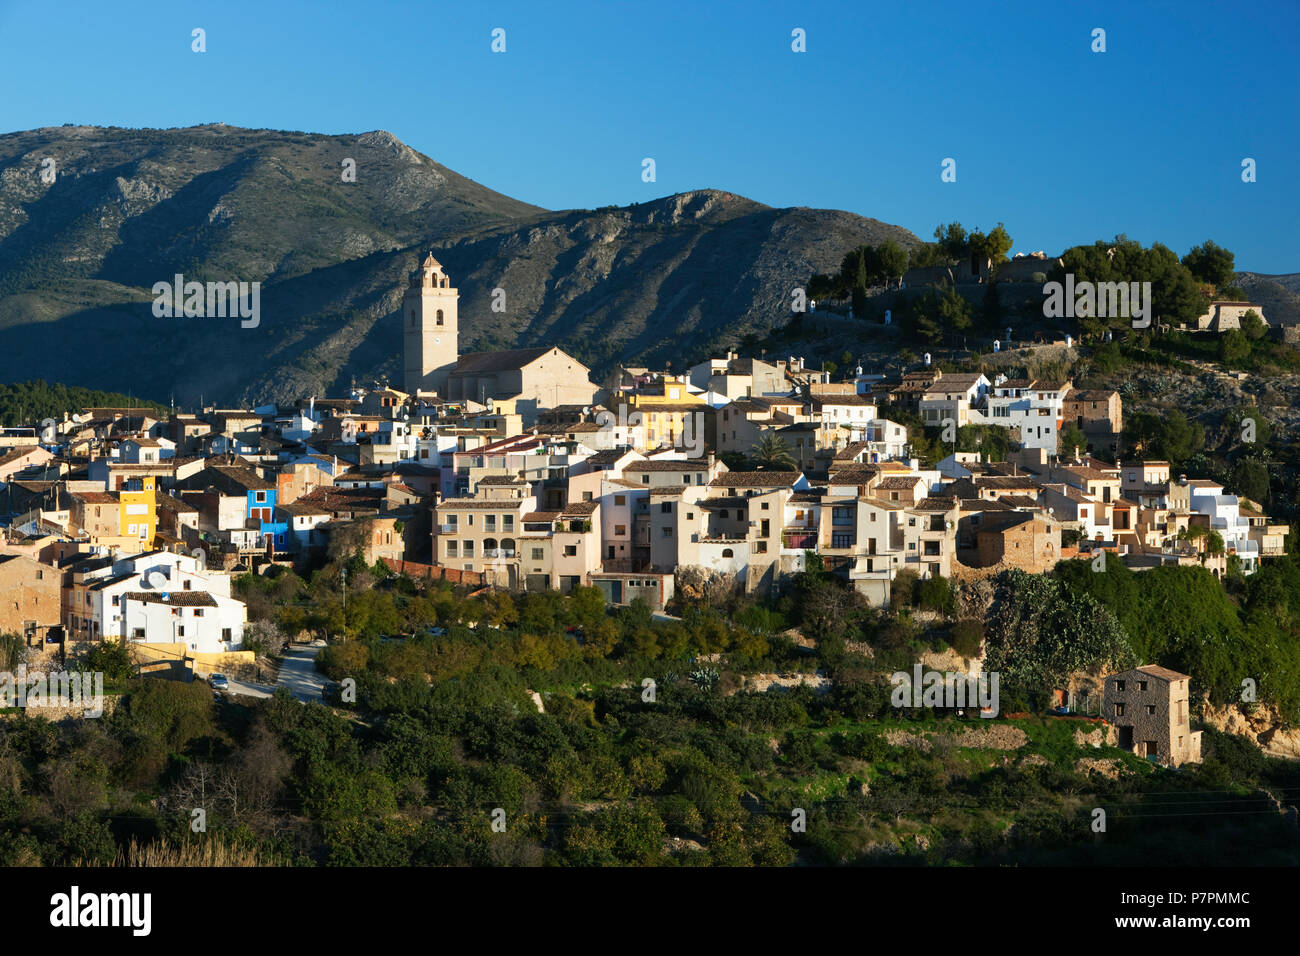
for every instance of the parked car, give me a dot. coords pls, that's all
(220, 682)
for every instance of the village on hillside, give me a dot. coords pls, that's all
(514, 470)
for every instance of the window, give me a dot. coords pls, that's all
(259, 496)
(1142, 685)
(620, 530)
(468, 549)
(115, 600)
(439, 319)
(138, 633)
(570, 550)
(620, 499)
(1119, 710)
(686, 479)
(586, 496)
(668, 532)
(538, 554)
(225, 634)
(180, 631)
(645, 479)
(1151, 710)
(727, 553)
(187, 585)
(198, 612)
(452, 549)
(667, 508)
(507, 522)
(765, 506)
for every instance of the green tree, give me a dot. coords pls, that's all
(891, 258)
(1234, 347)
(1071, 437)
(1168, 435)
(953, 240)
(1250, 479)
(1253, 326)
(1210, 263)
(993, 246)
(771, 453)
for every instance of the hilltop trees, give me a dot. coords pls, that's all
(957, 245)
(933, 314)
(1176, 295)
(1210, 263)
(861, 268)
(992, 246)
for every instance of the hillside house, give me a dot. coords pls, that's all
(1149, 708)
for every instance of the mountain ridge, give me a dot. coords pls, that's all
(647, 282)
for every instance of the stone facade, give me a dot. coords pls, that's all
(1019, 540)
(1149, 708)
(30, 597)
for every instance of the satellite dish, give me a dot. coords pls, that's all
(157, 580)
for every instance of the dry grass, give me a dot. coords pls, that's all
(200, 853)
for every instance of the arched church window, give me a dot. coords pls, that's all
(440, 316)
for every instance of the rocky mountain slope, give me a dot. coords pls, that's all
(652, 282)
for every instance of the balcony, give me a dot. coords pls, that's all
(624, 566)
(800, 540)
(447, 529)
(498, 552)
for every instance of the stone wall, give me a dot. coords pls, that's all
(436, 572)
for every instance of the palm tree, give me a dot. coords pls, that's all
(771, 453)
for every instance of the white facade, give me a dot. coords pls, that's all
(203, 622)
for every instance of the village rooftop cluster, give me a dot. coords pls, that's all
(514, 469)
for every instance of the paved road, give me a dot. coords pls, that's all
(297, 673)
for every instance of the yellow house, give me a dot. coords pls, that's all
(139, 505)
(671, 415)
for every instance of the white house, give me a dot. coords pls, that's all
(145, 451)
(204, 622)
(1033, 406)
(170, 578)
(953, 397)
(1225, 517)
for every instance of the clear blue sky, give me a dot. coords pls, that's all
(1061, 144)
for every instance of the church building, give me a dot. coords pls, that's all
(519, 381)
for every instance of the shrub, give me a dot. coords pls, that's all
(966, 636)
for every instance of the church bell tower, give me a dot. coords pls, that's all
(430, 329)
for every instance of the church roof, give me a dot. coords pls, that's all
(510, 359)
